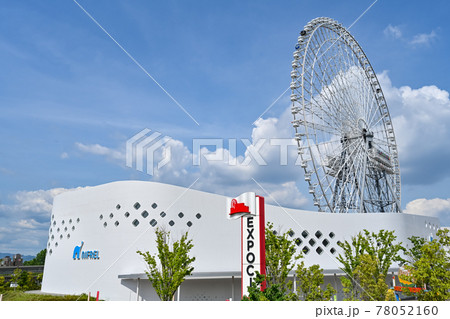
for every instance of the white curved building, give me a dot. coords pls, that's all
(95, 233)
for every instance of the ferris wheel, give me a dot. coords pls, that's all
(343, 129)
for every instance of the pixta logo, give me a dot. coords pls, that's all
(87, 254)
(141, 147)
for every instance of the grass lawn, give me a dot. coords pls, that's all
(10, 295)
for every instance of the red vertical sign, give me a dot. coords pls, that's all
(253, 253)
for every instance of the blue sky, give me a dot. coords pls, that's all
(70, 97)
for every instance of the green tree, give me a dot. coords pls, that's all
(372, 283)
(280, 258)
(15, 276)
(280, 261)
(431, 267)
(350, 260)
(310, 282)
(383, 251)
(29, 281)
(414, 253)
(38, 260)
(2, 284)
(271, 293)
(173, 267)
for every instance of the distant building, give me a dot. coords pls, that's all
(6, 261)
(16, 261)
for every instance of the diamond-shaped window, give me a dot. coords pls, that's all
(305, 250)
(136, 205)
(325, 242)
(298, 241)
(144, 214)
(305, 234)
(319, 250)
(318, 234)
(312, 242)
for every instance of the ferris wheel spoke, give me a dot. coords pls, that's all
(343, 59)
(357, 191)
(378, 141)
(332, 106)
(379, 120)
(346, 191)
(375, 114)
(323, 128)
(331, 79)
(317, 106)
(340, 88)
(323, 91)
(323, 144)
(345, 163)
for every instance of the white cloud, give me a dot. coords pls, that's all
(27, 242)
(436, 207)
(25, 220)
(28, 224)
(98, 149)
(393, 31)
(420, 39)
(428, 207)
(286, 195)
(64, 155)
(6, 171)
(423, 38)
(35, 202)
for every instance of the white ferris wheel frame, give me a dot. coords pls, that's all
(342, 124)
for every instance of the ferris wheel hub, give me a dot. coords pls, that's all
(362, 124)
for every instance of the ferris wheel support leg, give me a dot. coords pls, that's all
(396, 199)
(361, 207)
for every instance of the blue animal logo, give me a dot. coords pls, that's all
(77, 251)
